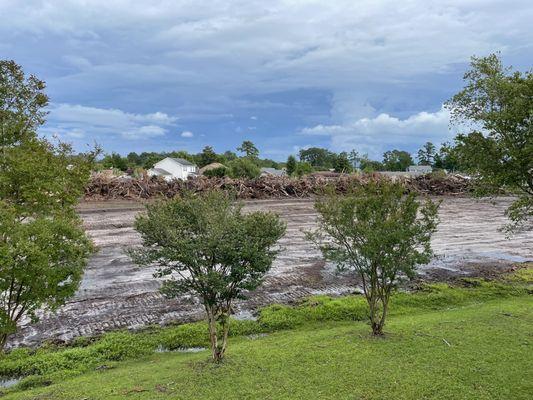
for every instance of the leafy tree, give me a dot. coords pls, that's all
(375, 232)
(353, 157)
(134, 159)
(115, 160)
(42, 249)
(397, 160)
(498, 151)
(367, 165)
(447, 158)
(318, 157)
(207, 246)
(303, 168)
(219, 172)
(342, 164)
(249, 149)
(426, 155)
(291, 165)
(243, 168)
(207, 156)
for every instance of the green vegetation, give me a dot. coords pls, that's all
(427, 340)
(53, 364)
(500, 103)
(43, 250)
(216, 251)
(378, 233)
(243, 168)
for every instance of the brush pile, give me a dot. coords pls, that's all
(105, 187)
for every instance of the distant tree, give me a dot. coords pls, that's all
(318, 157)
(397, 160)
(426, 155)
(500, 102)
(43, 249)
(115, 160)
(303, 168)
(367, 165)
(353, 157)
(342, 164)
(207, 156)
(148, 160)
(243, 168)
(229, 156)
(291, 165)
(207, 246)
(134, 159)
(375, 232)
(447, 158)
(249, 149)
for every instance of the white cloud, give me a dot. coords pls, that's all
(75, 121)
(385, 132)
(187, 134)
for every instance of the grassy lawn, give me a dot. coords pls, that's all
(474, 351)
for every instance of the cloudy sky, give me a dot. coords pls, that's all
(171, 75)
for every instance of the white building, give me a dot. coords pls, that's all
(420, 169)
(173, 168)
(273, 172)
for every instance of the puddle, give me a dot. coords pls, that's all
(8, 382)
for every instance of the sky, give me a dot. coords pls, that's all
(286, 74)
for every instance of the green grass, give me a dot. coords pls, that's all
(487, 356)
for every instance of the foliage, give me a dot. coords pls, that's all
(397, 160)
(43, 250)
(115, 160)
(447, 158)
(426, 155)
(495, 329)
(219, 172)
(217, 251)
(303, 168)
(342, 164)
(499, 104)
(318, 157)
(207, 156)
(367, 165)
(243, 168)
(291, 165)
(249, 149)
(375, 231)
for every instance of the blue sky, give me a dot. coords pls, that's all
(179, 75)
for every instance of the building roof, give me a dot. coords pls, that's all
(161, 171)
(182, 161)
(273, 171)
(211, 166)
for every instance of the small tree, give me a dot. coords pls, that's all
(291, 165)
(397, 160)
(375, 232)
(426, 155)
(303, 168)
(243, 168)
(216, 251)
(342, 164)
(248, 148)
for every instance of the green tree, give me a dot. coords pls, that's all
(249, 149)
(397, 160)
(375, 232)
(353, 157)
(303, 168)
(207, 156)
(498, 151)
(447, 158)
(426, 155)
(115, 160)
(243, 168)
(217, 251)
(318, 157)
(342, 164)
(43, 250)
(291, 165)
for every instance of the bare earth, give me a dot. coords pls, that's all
(116, 294)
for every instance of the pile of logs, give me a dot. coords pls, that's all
(105, 187)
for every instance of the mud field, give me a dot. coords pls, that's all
(116, 294)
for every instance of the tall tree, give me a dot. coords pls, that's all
(426, 155)
(342, 164)
(375, 231)
(43, 250)
(498, 150)
(249, 149)
(207, 246)
(207, 156)
(397, 160)
(318, 157)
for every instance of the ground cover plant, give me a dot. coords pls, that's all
(51, 364)
(429, 354)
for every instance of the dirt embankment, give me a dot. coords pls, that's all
(116, 294)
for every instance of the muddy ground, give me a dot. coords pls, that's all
(116, 294)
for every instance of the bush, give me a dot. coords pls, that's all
(219, 172)
(243, 168)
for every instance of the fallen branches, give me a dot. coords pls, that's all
(103, 187)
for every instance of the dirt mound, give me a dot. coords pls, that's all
(104, 187)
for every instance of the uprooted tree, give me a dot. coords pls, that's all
(207, 246)
(380, 234)
(43, 250)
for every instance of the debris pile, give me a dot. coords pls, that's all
(105, 187)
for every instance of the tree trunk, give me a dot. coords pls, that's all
(3, 341)
(218, 340)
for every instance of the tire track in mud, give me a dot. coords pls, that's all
(116, 294)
